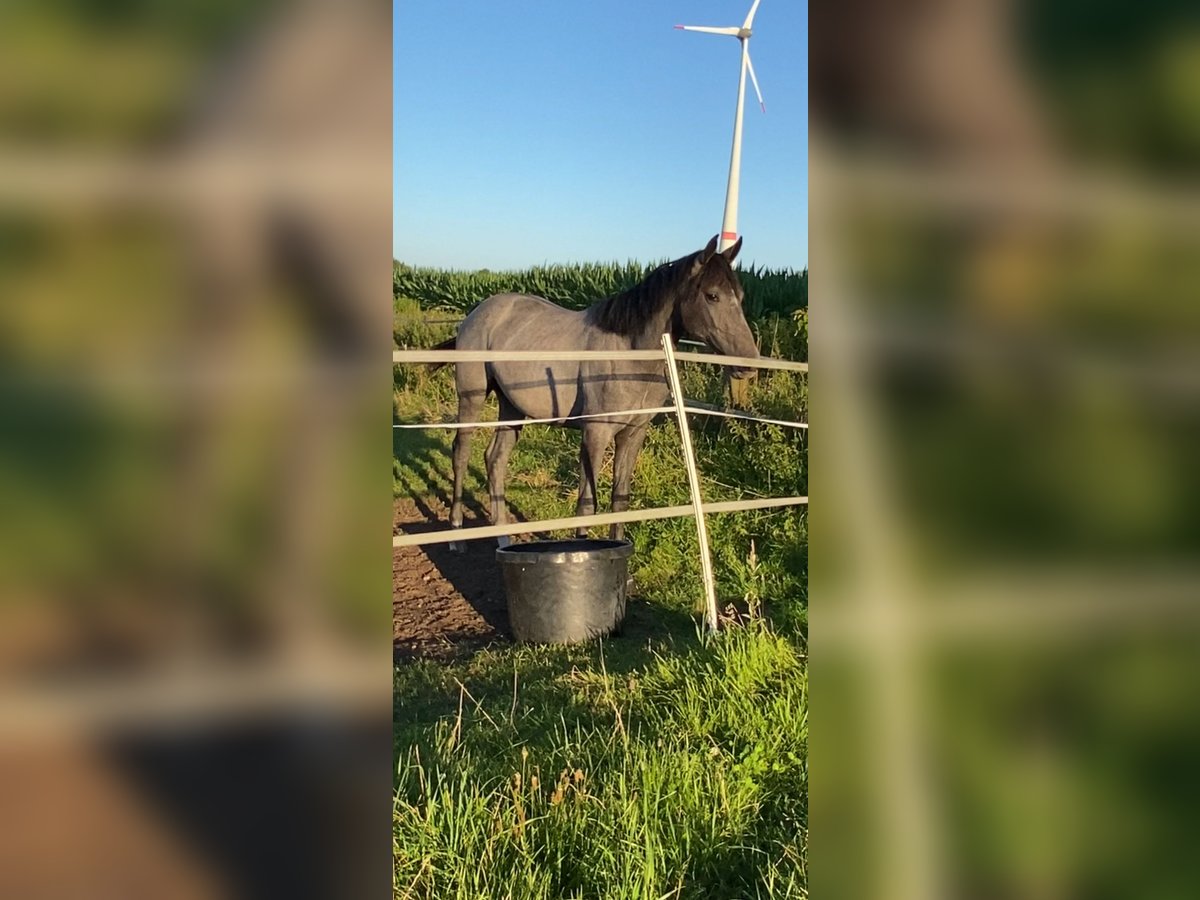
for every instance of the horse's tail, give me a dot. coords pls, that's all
(444, 345)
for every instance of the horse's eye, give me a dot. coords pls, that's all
(711, 296)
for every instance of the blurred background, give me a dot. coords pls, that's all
(194, 247)
(1005, 338)
(195, 260)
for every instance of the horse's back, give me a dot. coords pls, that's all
(539, 389)
(519, 322)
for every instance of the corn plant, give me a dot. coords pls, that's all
(768, 291)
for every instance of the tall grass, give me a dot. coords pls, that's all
(768, 291)
(609, 773)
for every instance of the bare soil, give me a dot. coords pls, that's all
(443, 602)
(448, 604)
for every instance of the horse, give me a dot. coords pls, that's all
(697, 296)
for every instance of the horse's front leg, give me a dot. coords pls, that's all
(591, 456)
(629, 445)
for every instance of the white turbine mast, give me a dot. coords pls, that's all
(729, 221)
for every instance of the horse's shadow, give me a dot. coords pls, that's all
(473, 570)
(424, 466)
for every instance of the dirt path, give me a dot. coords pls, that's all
(443, 602)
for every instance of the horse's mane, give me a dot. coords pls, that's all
(631, 311)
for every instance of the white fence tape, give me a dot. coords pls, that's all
(623, 413)
(453, 356)
(556, 420)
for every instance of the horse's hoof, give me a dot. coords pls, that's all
(503, 541)
(458, 547)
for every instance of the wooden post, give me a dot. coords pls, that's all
(739, 389)
(689, 458)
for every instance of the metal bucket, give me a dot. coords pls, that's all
(560, 592)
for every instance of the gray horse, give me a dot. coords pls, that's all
(698, 296)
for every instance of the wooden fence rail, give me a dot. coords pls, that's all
(449, 535)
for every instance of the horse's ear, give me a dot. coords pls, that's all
(709, 249)
(730, 253)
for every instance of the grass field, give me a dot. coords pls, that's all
(664, 762)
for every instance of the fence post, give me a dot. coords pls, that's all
(689, 458)
(739, 389)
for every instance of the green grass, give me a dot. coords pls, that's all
(668, 762)
(630, 768)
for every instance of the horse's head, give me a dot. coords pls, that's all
(710, 309)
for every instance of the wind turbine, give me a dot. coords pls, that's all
(729, 221)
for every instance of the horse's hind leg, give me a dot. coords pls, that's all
(596, 439)
(628, 446)
(498, 450)
(461, 455)
(471, 379)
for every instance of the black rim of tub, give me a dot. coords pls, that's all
(567, 551)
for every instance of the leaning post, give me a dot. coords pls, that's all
(689, 458)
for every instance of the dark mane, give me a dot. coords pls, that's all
(630, 312)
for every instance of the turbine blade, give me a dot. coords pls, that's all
(754, 81)
(750, 15)
(708, 30)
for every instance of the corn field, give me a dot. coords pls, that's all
(768, 291)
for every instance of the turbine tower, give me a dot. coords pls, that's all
(729, 221)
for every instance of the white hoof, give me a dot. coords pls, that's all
(503, 541)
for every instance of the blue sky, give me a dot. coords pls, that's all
(542, 132)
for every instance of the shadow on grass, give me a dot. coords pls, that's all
(426, 690)
(424, 472)
(421, 462)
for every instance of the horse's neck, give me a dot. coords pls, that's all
(662, 322)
